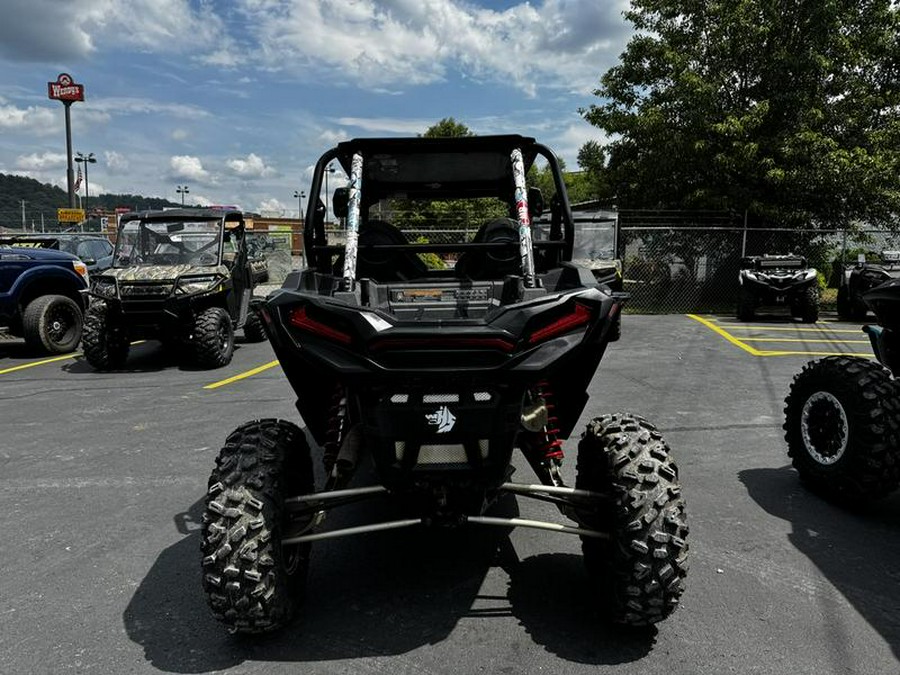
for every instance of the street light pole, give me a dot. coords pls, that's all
(300, 195)
(182, 190)
(86, 159)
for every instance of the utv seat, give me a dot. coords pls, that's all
(492, 263)
(384, 266)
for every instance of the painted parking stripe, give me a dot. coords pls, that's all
(737, 326)
(43, 362)
(750, 349)
(40, 363)
(242, 376)
(832, 342)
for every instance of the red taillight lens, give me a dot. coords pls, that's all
(443, 343)
(579, 316)
(299, 318)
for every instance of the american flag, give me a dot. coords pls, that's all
(78, 180)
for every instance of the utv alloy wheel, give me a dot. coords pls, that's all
(105, 345)
(253, 583)
(842, 426)
(640, 570)
(213, 338)
(52, 323)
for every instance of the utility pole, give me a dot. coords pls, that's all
(23, 215)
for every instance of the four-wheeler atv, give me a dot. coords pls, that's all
(856, 280)
(778, 280)
(180, 276)
(842, 415)
(437, 374)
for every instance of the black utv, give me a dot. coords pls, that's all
(842, 415)
(865, 275)
(770, 280)
(180, 276)
(434, 336)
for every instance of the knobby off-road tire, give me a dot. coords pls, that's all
(807, 305)
(842, 418)
(850, 307)
(213, 338)
(746, 309)
(52, 323)
(105, 346)
(640, 570)
(253, 328)
(253, 583)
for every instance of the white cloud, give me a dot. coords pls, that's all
(37, 120)
(272, 208)
(179, 134)
(144, 106)
(252, 166)
(188, 168)
(53, 31)
(409, 127)
(116, 161)
(35, 162)
(557, 43)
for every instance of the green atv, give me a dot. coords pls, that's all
(180, 276)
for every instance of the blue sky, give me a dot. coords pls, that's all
(237, 99)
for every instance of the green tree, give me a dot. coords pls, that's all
(448, 128)
(790, 109)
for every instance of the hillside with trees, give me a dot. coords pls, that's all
(41, 200)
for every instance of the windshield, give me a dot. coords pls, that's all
(163, 242)
(595, 237)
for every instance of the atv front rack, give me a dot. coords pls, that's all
(316, 504)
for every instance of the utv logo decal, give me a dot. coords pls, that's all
(442, 418)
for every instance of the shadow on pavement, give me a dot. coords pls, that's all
(376, 595)
(857, 551)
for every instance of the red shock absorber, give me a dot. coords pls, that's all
(551, 447)
(334, 436)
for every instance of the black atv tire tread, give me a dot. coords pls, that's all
(208, 351)
(34, 324)
(103, 350)
(253, 327)
(746, 305)
(808, 305)
(844, 310)
(247, 586)
(870, 466)
(641, 569)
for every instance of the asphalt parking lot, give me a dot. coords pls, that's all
(103, 476)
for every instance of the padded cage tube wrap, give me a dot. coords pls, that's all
(526, 251)
(353, 209)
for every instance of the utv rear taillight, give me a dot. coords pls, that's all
(493, 343)
(579, 316)
(299, 318)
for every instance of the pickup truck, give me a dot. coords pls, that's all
(42, 296)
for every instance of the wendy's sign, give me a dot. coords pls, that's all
(64, 89)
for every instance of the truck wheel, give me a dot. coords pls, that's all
(842, 416)
(213, 338)
(746, 305)
(807, 307)
(105, 346)
(52, 323)
(253, 328)
(844, 311)
(640, 569)
(253, 583)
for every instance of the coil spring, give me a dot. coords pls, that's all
(551, 445)
(334, 435)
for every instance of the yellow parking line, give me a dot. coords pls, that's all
(241, 376)
(40, 363)
(791, 329)
(833, 342)
(757, 352)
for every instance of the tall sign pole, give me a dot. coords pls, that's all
(65, 90)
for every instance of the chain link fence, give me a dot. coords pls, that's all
(676, 262)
